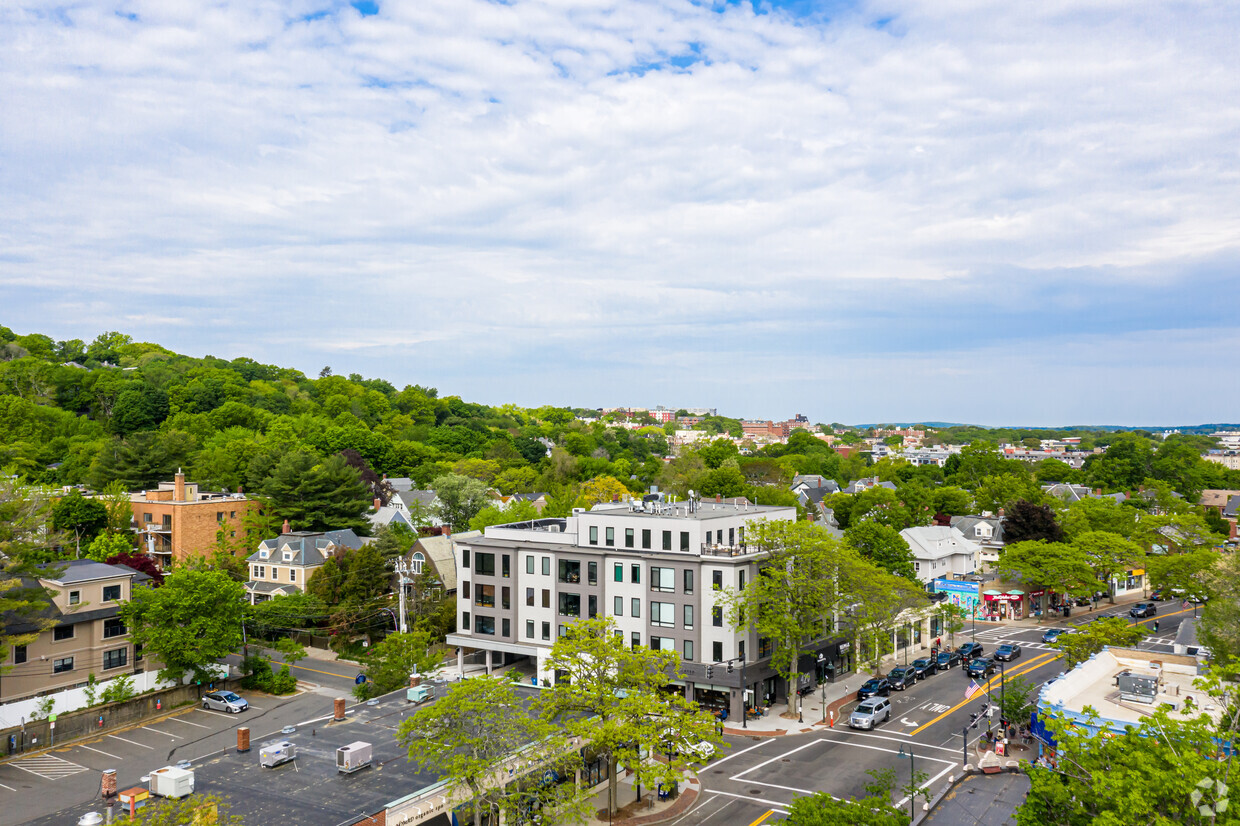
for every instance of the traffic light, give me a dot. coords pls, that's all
(710, 671)
(729, 666)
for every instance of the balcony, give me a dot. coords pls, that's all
(727, 550)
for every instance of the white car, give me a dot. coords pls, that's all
(224, 701)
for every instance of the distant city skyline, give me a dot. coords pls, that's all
(924, 211)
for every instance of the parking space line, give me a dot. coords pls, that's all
(100, 751)
(49, 767)
(10, 788)
(131, 742)
(186, 722)
(157, 731)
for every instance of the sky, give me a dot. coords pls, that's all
(899, 210)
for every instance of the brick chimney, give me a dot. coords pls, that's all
(178, 484)
(287, 528)
(378, 503)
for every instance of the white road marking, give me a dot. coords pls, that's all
(100, 751)
(777, 786)
(157, 731)
(131, 742)
(186, 722)
(780, 757)
(882, 737)
(934, 708)
(48, 767)
(750, 798)
(926, 785)
(10, 788)
(730, 756)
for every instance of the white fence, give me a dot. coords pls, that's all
(71, 699)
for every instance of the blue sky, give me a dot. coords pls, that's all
(893, 210)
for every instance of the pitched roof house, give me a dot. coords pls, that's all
(940, 551)
(284, 564)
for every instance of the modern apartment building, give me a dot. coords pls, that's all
(177, 521)
(87, 637)
(658, 568)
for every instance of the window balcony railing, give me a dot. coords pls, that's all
(742, 549)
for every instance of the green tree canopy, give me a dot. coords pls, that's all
(1023, 521)
(316, 495)
(883, 546)
(1092, 637)
(460, 499)
(391, 663)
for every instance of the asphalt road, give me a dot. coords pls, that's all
(757, 778)
(329, 676)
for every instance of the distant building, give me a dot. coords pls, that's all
(176, 521)
(284, 565)
(941, 552)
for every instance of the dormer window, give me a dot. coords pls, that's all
(263, 554)
(288, 556)
(418, 560)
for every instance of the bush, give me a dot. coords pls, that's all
(119, 690)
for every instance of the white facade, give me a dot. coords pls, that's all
(941, 551)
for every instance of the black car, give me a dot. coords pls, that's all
(878, 686)
(969, 650)
(946, 660)
(1142, 609)
(902, 678)
(981, 666)
(924, 667)
(1008, 652)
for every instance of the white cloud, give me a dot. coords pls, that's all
(491, 180)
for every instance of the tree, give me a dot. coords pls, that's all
(726, 481)
(1183, 573)
(351, 577)
(883, 546)
(1048, 565)
(1108, 554)
(141, 563)
(139, 407)
(1092, 637)
(996, 493)
(1098, 514)
(109, 544)
(196, 809)
(460, 499)
(1049, 470)
(1127, 461)
(472, 735)
(390, 664)
(518, 510)
(793, 593)
(1023, 521)
(615, 697)
(82, 517)
(821, 809)
(193, 620)
(876, 601)
(317, 495)
(24, 543)
(1015, 703)
(1220, 620)
(600, 489)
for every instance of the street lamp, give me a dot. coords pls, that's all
(912, 782)
(824, 702)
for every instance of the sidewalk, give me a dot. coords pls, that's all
(646, 810)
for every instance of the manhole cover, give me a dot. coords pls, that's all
(717, 771)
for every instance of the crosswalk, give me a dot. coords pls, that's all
(48, 766)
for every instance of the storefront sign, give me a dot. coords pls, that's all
(952, 586)
(845, 646)
(1002, 598)
(1036, 593)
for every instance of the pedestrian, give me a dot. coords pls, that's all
(938, 642)
(1155, 626)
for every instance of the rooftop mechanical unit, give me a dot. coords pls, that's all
(353, 757)
(1137, 688)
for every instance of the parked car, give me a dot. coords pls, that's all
(981, 666)
(870, 713)
(869, 688)
(1157, 594)
(901, 678)
(924, 667)
(969, 650)
(224, 701)
(1007, 652)
(1143, 609)
(946, 660)
(1053, 634)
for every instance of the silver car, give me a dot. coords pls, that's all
(224, 701)
(870, 712)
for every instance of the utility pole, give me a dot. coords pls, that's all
(402, 571)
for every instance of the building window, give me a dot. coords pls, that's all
(716, 651)
(114, 627)
(505, 598)
(484, 564)
(115, 658)
(465, 620)
(546, 566)
(546, 630)
(636, 571)
(546, 597)
(592, 606)
(570, 605)
(465, 558)
(716, 580)
(688, 649)
(465, 589)
(667, 540)
(111, 593)
(19, 654)
(260, 571)
(684, 541)
(742, 581)
(611, 537)
(662, 644)
(732, 536)
(529, 627)
(570, 571)
(716, 617)
(663, 579)
(232, 514)
(137, 653)
(484, 625)
(688, 581)
(507, 567)
(219, 516)
(418, 562)
(688, 616)
(506, 627)
(663, 614)
(529, 564)
(146, 517)
(592, 573)
(62, 665)
(618, 573)
(635, 639)
(628, 537)
(62, 632)
(646, 538)
(635, 607)
(75, 597)
(594, 534)
(529, 597)
(484, 595)
(618, 606)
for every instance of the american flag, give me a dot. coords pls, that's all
(972, 689)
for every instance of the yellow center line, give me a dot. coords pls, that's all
(769, 812)
(1025, 668)
(316, 671)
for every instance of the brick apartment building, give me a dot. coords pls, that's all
(177, 521)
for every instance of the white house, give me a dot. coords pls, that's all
(941, 552)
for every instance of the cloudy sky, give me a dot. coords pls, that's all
(993, 212)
